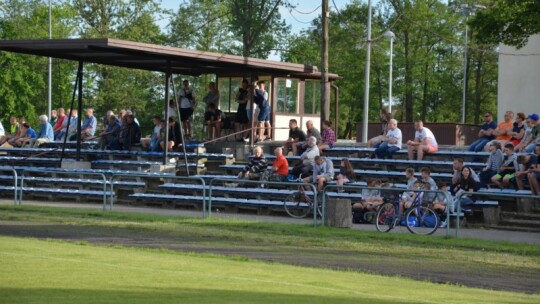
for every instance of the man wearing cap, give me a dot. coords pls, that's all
(485, 134)
(535, 133)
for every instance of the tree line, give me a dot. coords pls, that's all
(428, 52)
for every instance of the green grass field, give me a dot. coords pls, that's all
(42, 271)
(55, 271)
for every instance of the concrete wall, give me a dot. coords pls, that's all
(519, 78)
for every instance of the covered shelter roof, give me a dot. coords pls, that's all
(153, 57)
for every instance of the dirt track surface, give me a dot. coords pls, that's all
(484, 276)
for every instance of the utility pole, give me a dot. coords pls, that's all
(325, 88)
(366, 81)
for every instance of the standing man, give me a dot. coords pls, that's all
(390, 142)
(485, 134)
(424, 142)
(45, 134)
(261, 99)
(187, 104)
(212, 96)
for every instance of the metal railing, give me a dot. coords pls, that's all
(490, 194)
(190, 178)
(256, 182)
(103, 178)
(15, 181)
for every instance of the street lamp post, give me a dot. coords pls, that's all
(391, 35)
(366, 84)
(466, 10)
(49, 100)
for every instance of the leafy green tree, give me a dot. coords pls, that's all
(23, 81)
(508, 21)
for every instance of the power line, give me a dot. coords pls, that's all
(307, 13)
(303, 22)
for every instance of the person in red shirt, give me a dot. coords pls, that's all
(280, 167)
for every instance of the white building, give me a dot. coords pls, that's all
(519, 78)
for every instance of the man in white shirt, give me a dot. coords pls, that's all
(390, 142)
(424, 142)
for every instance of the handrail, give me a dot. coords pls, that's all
(289, 184)
(157, 175)
(401, 190)
(104, 179)
(15, 181)
(490, 194)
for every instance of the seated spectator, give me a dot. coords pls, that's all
(112, 131)
(390, 142)
(151, 143)
(430, 184)
(323, 172)
(59, 122)
(441, 200)
(413, 183)
(175, 135)
(45, 134)
(54, 117)
(518, 129)
(385, 119)
(28, 134)
(504, 129)
(346, 174)
(280, 167)
(69, 126)
(328, 136)
(508, 168)
(130, 135)
(485, 134)
(257, 166)
(526, 163)
(535, 133)
(527, 136)
(311, 131)
(534, 174)
(21, 132)
(88, 128)
(213, 119)
(371, 198)
(12, 132)
(493, 164)
(296, 135)
(307, 159)
(467, 184)
(456, 178)
(424, 142)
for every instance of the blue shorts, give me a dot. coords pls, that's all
(264, 114)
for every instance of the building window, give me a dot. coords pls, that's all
(287, 96)
(312, 97)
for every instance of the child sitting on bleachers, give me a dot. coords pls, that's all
(346, 174)
(371, 198)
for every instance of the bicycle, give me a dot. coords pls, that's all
(418, 218)
(299, 204)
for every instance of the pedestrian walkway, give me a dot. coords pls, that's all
(483, 234)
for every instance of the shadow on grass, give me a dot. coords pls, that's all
(177, 295)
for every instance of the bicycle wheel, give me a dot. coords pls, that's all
(422, 220)
(296, 206)
(386, 216)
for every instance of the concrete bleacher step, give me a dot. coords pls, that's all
(521, 216)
